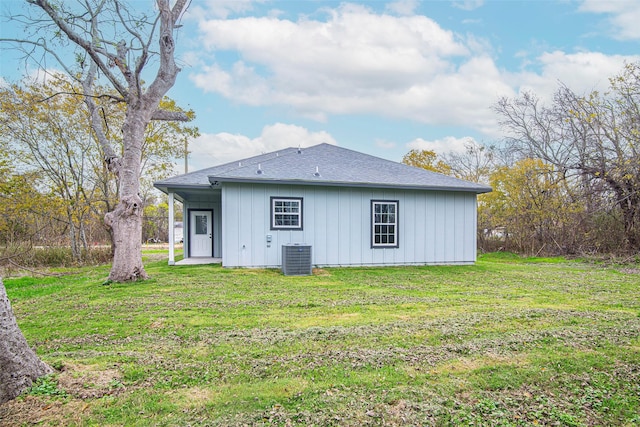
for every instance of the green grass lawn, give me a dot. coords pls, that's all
(509, 341)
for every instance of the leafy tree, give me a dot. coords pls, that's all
(27, 216)
(51, 138)
(593, 141)
(47, 134)
(155, 225)
(529, 207)
(426, 159)
(120, 45)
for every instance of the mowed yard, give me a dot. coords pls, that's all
(508, 341)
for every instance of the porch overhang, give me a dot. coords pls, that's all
(183, 193)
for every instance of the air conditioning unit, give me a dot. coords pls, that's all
(296, 259)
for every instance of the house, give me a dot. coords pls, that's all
(178, 231)
(351, 208)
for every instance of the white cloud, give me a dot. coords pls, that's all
(582, 72)
(353, 44)
(241, 83)
(468, 4)
(402, 7)
(445, 145)
(624, 16)
(355, 62)
(215, 149)
(360, 62)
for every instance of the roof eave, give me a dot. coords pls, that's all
(164, 187)
(324, 183)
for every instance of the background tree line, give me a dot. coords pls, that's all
(55, 187)
(566, 177)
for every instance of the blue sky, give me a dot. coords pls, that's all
(383, 77)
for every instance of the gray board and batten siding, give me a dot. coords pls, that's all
(433, 227)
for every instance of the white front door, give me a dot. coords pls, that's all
(200, 234)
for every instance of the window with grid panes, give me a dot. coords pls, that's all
(286, 213)
(384, 223)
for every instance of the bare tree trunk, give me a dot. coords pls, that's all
(126, 228)
(19, 365)
(83, 237)
(73, 240)
(126, 219)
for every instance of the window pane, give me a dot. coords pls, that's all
(201, 224)
(384, 221)
(286, 213)
(290, 219)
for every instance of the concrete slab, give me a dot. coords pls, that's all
(199, 261)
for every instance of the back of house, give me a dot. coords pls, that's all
(346, 207)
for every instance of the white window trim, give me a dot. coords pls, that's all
(396, 242)
(275, 226)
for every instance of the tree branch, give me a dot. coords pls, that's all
(177, 116)
(177, 10)
(168, 70)
(44, 47)
(110, 157)
(90, 48)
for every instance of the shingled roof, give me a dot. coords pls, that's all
(323, 164)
